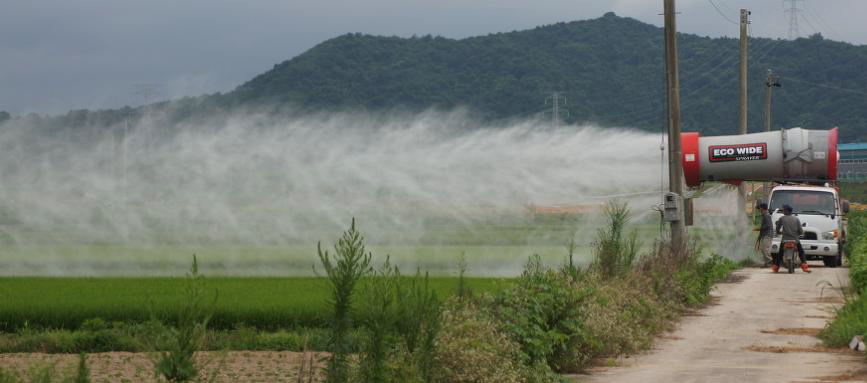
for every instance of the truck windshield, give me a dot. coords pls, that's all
(804, 201)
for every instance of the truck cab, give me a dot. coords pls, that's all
(820, 210)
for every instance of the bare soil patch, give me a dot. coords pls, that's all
(234, 366)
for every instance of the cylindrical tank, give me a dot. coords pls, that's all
(793, 155)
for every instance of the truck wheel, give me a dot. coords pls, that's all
(839, 255)
(835, 261)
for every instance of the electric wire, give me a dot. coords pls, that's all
(813, 27)
(721, 13)
(821, 21)
(827, 86)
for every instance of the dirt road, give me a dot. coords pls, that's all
(759, 329)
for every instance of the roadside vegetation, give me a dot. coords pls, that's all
(851, 319)
(379, 324)
(547, 322)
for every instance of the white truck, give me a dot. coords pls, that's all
(820, 210)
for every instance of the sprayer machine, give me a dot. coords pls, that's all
(785, 156)
(804, 161)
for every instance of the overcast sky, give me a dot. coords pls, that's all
(61, 54)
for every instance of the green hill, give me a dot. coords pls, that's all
(610, 70)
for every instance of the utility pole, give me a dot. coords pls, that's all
(742, 109)
(742, 106)
(675, 167)
(792, 11)
(555, 108)
(770, 83)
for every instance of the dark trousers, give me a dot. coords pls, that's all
(778, 256)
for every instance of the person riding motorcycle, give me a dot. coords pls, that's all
(790, 228)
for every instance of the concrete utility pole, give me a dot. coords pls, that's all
(770, 83)
(742, 108)
(675, 167)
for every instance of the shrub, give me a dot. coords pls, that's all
(541, 312)
(470, 348)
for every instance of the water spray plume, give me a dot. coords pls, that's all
(253, 188)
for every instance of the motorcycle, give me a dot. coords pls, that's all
(790, 255)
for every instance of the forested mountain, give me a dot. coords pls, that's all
(609, 69)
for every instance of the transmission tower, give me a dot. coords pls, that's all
(557, 99)
(792, 10)
(145, 91)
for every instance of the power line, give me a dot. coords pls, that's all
(721, 12)
(813, 27)
(854, 91)
(828, 27)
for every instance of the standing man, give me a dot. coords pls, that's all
(766, 233)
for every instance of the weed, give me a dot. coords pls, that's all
(82, 374)
(379, 320)
(306, 372)
(349, 264)
(177, 363)
(418, 321)
(569, 267)
(614, 251)
(463, 290)
(851, 319)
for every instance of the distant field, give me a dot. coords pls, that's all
(490, 248)
(277, 261)
(265, 303)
